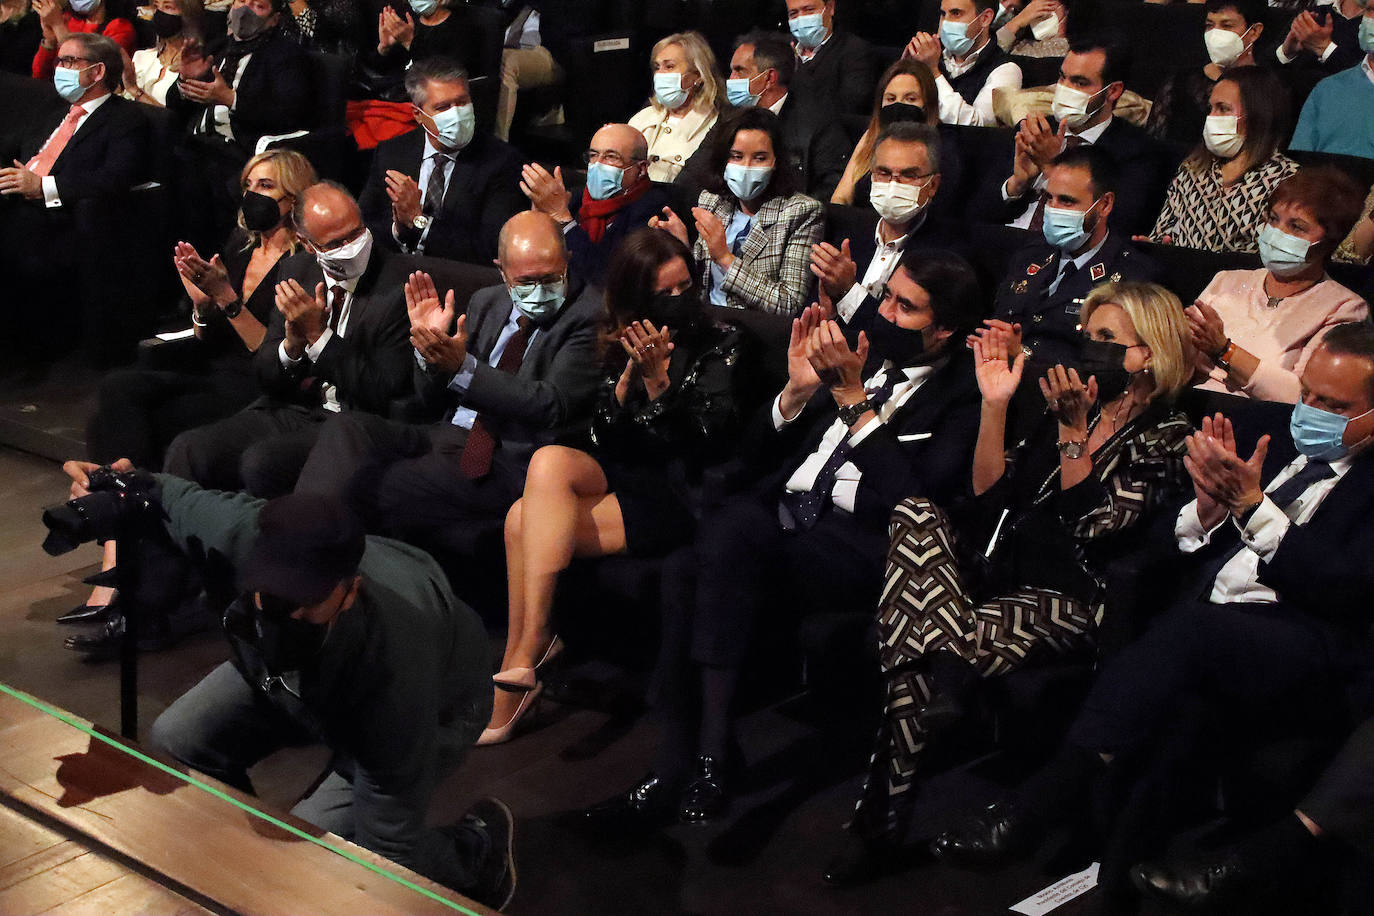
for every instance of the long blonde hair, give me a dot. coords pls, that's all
(294, 174)
(1161, 324)
(701, 59)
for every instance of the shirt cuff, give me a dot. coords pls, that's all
(1327, 52)
(779, 421)
(1189, 531)
(462, 379)
(50, 197)
(1283, 58)
(865, 431)
(1265, 529)
(569, 226)
(851, 301)
(315, 349)
(1005, 195)
(286, 361)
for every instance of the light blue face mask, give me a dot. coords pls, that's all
(604, 180)
(1283, 255)
(668, 90)
(745, 182)
(809, 30)
(424, 7)
(1320, 434)
(539, 300)
(737, 91)
(67, 82)
(954, 36)
(454, 127)
(1366, 33)
(1065, 229)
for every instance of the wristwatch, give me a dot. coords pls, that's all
(420, 223)
(851, 413)
(232, 309)
(1074, 448)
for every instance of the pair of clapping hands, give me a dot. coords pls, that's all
(999, 363)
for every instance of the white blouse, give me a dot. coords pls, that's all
(152, 77)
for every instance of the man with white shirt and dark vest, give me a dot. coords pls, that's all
(508, 369)
(336, 343)
(967, 62)
(444, 190)
(257, 83)
(852, 433)
(1272, 622)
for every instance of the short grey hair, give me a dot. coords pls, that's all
(436, 69)
(913, 132)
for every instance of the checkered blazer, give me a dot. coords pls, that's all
(772, 272)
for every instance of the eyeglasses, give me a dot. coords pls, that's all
(609, 157)
(546, 280)
(70, 63)
(906, 176)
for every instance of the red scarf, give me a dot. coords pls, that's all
(595, 215)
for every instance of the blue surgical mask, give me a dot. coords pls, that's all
(668, 90)
(1065, 229)
(604, 180)
(454, 127)
(1366, 34)
(1283, 255)
(809, 30)
(747, 182)
(954, 36)
(538, 301)
(67, 82)
(1320, 434)
(424, 7)
(737, 91)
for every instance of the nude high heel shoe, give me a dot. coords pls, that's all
(528, 678)
(503, 733)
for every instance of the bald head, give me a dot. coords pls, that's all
(325, 213)
(622, 138)
(531, 247)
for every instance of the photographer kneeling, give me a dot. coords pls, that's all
(340, 638)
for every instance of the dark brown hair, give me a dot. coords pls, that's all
(633, 273)
(1264, 99)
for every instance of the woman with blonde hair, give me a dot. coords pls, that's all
(1016, 572)
(688, 94)
(230, 299)
(906, 92)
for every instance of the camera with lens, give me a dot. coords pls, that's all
(117, 504)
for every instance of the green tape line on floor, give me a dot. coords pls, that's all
(205, 787)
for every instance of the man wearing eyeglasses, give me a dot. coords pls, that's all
(618, 199)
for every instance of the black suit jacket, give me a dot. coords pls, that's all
(841, 73)
(555, 386)
(817, 144)
(483, 192)
(106, 157)
(274, 94)
(587, 259)
(924, 449)
(370, 366)
(1049, 323)
(1144, 171)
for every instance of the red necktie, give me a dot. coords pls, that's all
(41, 165)
(481, 445)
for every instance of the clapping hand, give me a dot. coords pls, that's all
(423, 305)
(214, 91)
(393, 30)
(712, 232)
(837, 365)
(925, 48)
(203, 280)
(1306, 34)
(996, 364)
(1221, 474)
(405, 198)
(1011, 330)
(650, 350)
(1207, 329)
(546, 192)
(1069, 399)
(304, 314)
(670, 223)
(441, 351)
(1042, 142)
(834, 267)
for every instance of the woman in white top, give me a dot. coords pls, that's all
(686, 102)
(151, 71)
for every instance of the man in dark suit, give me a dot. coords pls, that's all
(1091, 80)
(517, 364)
(1272, 623)
(894, 417)
(337, 343)
(618, 199)
(833, 67)
(444, 190)
(87, 155)
(257, 84)
(1040, 299)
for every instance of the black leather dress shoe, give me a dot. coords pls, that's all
(648, 805)
(997, 835)
(105, 643)
(1218, 883)
(705, 797)
(88, 613)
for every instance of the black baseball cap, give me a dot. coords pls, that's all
(307, 544)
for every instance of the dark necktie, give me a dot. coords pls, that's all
(434, 189)
(739, 239)
(801, 511)
(1070, 268)
(1284, 497)
(481, 443)
(1037, 222)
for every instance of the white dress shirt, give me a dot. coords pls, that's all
(978, 113)
(50, 198)
(312, 352)
(1089, 137)
(1238, 581)
(221, 112)
(879, 270)
(846, 488)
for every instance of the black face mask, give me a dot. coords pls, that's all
(260, 212)
(166, 25)
(677, 312)
(1106, 361)
(900, 111)
(887, 340)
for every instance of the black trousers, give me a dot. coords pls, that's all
(404, 479)
(1342, 802)
(260, 449)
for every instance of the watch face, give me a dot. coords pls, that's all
(421, 222)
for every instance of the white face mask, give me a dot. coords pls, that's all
(1071, 105)
(896, 202)
(1046, 28)
(1221, 137)
(1223, 47)
(347, 261)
